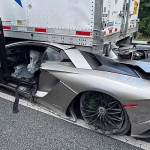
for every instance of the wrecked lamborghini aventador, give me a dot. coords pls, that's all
(112, 96)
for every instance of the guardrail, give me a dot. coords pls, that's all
(140, 42)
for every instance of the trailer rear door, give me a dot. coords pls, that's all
(111, 16)
(134, 9)
(119, 18)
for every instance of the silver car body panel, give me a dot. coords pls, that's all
(61, 82)
(143, 65)
(127, 89)
(140, 130)
(60, 46)
(41, 94)
(77, 58)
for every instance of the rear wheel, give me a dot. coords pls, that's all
(104, 113)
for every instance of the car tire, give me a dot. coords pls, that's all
(104, 113)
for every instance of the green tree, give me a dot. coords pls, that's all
(144, 9)
(144, 15)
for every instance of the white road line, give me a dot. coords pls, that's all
(125, 139)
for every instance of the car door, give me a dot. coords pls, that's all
(52, 91)
(48, 81)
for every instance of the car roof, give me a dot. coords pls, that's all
(60, 46)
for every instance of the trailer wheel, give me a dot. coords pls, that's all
(104, 113)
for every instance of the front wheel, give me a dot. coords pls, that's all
(104, 113)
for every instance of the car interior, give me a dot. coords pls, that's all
(19, 58)
(23, 63)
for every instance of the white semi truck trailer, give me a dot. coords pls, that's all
(91, 25)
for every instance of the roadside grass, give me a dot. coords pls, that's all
(140, 37)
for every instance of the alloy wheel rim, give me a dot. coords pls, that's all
(102, 112)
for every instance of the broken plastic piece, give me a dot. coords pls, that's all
(21, 72)
(35, 61)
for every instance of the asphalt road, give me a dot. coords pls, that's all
(33, 130)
